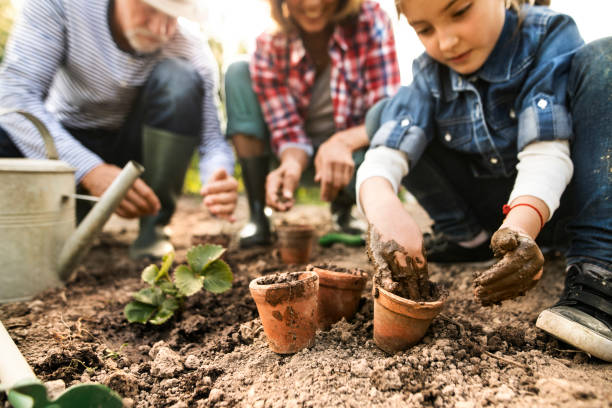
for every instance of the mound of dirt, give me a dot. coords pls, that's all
(214, 353)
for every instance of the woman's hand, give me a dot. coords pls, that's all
(282, 182)
(334, 164)
(334, 167)
(518, 270)
(221, 194)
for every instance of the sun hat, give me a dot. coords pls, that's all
(189, 9)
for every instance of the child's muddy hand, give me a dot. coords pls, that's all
(518, 270)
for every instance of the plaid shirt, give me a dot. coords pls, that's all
(364, 70)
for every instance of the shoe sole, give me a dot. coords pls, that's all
(575, 334)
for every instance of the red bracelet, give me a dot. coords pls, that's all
(506, 209)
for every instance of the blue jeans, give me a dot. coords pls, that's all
(171, 99)
(462, 204)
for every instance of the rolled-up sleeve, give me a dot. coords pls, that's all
(406, 121)
(542, 101)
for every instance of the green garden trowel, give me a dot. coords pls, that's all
(342, 238)
(24, 390)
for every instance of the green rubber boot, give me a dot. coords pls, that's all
(257, 230)
(165, 156)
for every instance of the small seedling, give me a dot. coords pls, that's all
(158, 302)
(108, 353)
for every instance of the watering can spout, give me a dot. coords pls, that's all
(77, 244)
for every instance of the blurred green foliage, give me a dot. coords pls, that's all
(7, 15)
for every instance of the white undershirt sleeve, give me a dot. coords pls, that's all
(384, 162)
(544, 171)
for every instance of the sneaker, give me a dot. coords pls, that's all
(583, 315)
(438, 248)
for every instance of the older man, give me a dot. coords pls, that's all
(116, 80)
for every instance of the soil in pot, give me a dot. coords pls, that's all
(339, 292)
(287, 306)
(405, 301)
(295, 242)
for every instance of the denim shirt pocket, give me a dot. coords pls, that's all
(456, 133)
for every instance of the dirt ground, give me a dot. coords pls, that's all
(214, 353)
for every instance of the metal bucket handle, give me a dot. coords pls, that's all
(42, 129)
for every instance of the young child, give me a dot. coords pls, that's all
(507, 108)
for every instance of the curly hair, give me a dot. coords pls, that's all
(280, 13)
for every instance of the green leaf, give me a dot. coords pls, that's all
(202, 256)
(187, 282)
(168, 288)
(150, 296)
(218, 277)
(138, 312)
(165, 312)
(166, 264)
(149, 274)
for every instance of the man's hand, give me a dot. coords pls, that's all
(221, 194)
(518, 270)
(334, 167)
(140, 200)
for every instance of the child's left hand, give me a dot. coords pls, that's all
(518, 270)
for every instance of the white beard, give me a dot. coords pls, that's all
(145, 42)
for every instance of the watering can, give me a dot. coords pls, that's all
(39, 241)
(24, 390)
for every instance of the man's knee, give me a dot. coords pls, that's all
(177, 80)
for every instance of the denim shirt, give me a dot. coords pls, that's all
(518, 96)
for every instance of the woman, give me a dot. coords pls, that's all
(306, 92)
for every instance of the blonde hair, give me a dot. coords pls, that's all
(280, 13)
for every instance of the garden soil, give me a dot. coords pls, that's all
(214, 353)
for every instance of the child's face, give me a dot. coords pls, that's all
(312, 15)
(458, 33)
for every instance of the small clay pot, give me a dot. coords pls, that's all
(400, 323)
(288, 309)
(295, 243)
(339, 293)
(214, 239)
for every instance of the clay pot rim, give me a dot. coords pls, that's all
(295, 228)
(340, 280)
(400, 305)
(311, 277)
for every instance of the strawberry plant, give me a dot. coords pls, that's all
(165, 294)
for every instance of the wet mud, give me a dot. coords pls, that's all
(397, 272)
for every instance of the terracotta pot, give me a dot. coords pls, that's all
(400, 323)
(295, 243)
(214, 239)
(288, 310)
(339, 294)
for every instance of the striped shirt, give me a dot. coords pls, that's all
(364, 69)
(63, 66)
